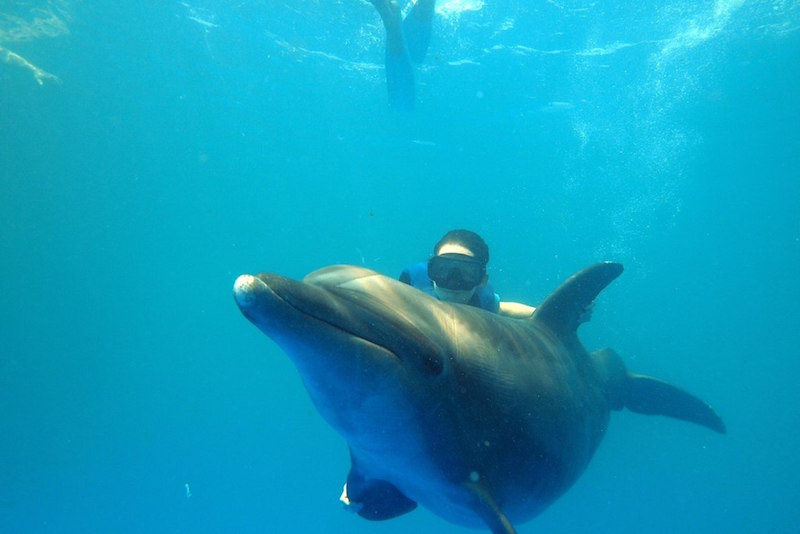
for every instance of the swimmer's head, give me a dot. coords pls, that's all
(458, 266)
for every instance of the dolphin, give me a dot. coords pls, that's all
(483, 419)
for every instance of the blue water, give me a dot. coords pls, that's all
(174, 145)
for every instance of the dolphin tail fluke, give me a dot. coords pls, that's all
(650, 396)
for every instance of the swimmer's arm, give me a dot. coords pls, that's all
(518, 310)
(515, 309)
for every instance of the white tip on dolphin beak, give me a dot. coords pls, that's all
(243, 289)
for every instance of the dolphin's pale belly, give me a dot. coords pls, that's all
(409, 468)
(419, 480)
(528, 456)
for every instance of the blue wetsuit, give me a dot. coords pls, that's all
(417, 276)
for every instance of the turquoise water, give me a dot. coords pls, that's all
(151, 153)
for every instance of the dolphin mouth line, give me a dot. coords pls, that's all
(309, 311)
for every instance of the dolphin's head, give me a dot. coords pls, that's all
(364, 344)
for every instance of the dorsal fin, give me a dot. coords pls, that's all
(561, 311)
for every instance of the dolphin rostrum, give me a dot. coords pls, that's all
(483, 419)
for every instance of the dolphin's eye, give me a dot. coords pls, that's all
(433, 363)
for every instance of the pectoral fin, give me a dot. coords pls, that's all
(489, 510)
(374, 499)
